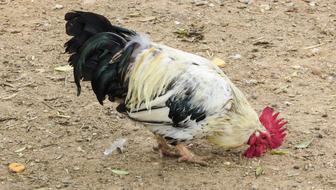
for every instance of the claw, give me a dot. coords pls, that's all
(201, 160)
(188, 156)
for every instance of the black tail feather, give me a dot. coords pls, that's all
(108, 78)
(94, 44)
(105, 75)
(83, 25)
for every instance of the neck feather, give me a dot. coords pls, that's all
(238, 124)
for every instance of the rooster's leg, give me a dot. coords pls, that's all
(164, 149)
(188, 156)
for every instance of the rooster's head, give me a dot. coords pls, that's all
(271, 138)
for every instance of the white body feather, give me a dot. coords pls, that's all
(157, 66)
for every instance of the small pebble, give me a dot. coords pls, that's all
(291, 95)
(254, 187)
(315, 50)
(79, 149)
(248, 2)
(220, 2)
(306, 167)
(316, 71)
(296, 167)
(288, 103)
(312, 3)
(58, 186)
(274, 105)
(254, 96)
(251, 82)
(88, 1)
(227, 163)
(200, 2)
(265, 7)
(236, 56)
(76, 168)
(58, 6)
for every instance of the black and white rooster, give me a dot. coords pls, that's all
(177, 95)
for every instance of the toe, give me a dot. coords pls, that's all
(168, 153)
(201, 160)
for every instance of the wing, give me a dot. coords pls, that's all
(174, 108)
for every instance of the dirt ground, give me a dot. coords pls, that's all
(279, 52)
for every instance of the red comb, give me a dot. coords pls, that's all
(274, 126)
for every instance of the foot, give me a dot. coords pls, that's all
(188, 156)
(164, 149)
(166, 152)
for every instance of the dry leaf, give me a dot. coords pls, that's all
(219, 62)
(134, 14)
(190, 33)
(281, 89)
(88, 1)
(259, 171)
(304, 144)
(63, 68)
(20, 149)
(147, 19)
(279, 151)
(120, 172)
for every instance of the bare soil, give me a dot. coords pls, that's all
(288, 61)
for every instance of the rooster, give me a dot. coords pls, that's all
(177, 95)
